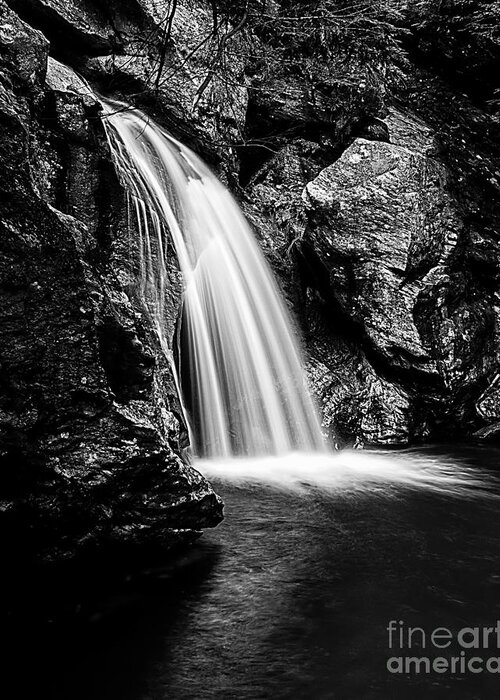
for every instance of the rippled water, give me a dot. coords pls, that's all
(291, 596)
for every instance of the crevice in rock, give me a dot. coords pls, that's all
(128, 365)
(315, 275)
(182, 363)
(67, 39)
(266, 136)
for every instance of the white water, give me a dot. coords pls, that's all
(354, 471)
(247, 393)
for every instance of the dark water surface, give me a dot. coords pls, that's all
(289, 598)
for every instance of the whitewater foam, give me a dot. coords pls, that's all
(350, 470)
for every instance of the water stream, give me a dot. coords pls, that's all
(247, 393)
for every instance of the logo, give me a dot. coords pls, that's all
(442, 650)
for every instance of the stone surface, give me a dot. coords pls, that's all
(84, 23)
(380, 221)
(90, 426)
(398, 349)
(488, 404)
(382, 225)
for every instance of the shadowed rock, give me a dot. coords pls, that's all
(91, 429)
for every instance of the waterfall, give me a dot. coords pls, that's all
(240, 373)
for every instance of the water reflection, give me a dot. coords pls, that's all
(289, 598)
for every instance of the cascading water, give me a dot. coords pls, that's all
(247, 389)
(247, 395)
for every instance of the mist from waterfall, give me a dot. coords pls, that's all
(246, 392)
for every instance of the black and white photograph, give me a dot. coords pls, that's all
(250, 349)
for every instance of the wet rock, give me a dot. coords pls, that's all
(383, 230)
(490, 433)
(380, 220)
(349, 288)
(90, 426)
(488, 404)
(358, 406)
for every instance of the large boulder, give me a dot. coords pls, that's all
(90, 423)
(366, 249)
(383, 240)
(382, 229)
(383, 226)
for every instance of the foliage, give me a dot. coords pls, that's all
(314, 38)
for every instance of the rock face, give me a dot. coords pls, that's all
(386, 242)
(368, 161)
(157, 52)
(91, 429)
(380, 224)
(381, 228)
(402, 332)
